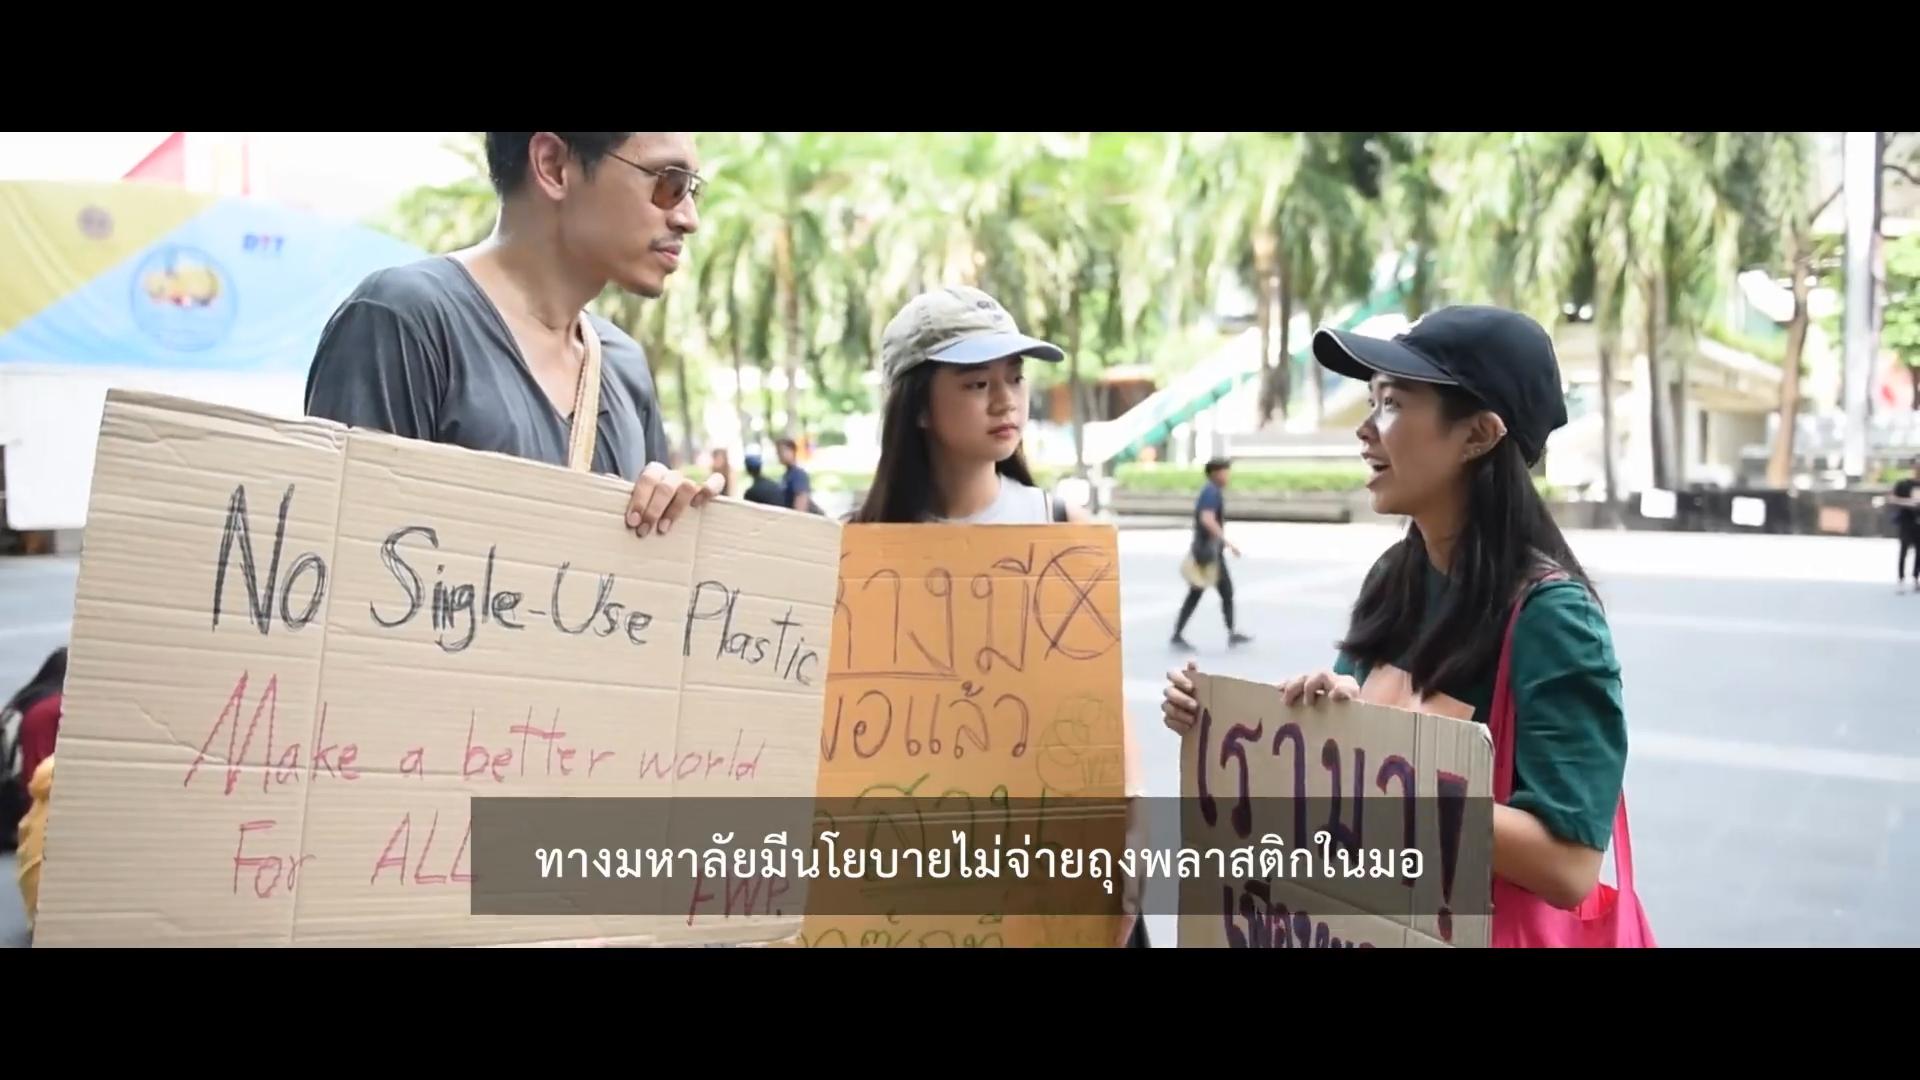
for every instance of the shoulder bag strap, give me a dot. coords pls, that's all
(1622, 847)
(1501, 720)
(586, 403)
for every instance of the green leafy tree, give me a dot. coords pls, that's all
(1900, 331)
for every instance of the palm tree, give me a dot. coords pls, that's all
(1771, 176)
(1663, 224)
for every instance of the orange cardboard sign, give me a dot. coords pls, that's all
(975, 688)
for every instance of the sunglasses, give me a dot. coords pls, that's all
(671, 184)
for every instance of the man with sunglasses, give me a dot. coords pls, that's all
(485, 348)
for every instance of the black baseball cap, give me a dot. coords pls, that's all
(1501, 357)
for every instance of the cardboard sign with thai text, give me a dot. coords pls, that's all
(975, 704)
(1337, 825)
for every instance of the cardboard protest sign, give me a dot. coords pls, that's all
(300, 652)
(1338, 825)
(975, 687)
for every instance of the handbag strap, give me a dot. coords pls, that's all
(585, 422)
(1503, 719)
(1623, 847)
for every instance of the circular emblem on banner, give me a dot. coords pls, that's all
(182, 298)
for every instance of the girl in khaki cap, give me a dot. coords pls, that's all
(950, 441)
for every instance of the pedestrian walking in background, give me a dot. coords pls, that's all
(760, 487)
(1906, 521)
(796, 487)
(1205, 566)
(1482, 612)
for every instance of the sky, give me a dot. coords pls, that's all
(353, 174)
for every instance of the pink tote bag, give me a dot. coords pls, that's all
(1611, 916)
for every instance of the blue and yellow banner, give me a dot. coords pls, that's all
(145, 275)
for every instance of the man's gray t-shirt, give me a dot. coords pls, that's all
(420, 351)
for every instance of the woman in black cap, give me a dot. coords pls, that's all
(1461, 407)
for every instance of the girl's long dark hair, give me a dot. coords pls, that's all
(49, 680)
(1507, 536)
(902, 488)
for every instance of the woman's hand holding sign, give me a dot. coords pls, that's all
(1180, 710)
(1319, 687)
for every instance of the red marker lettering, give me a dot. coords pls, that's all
(267, 757)
(467, 768)
(548, 736)
(594, 759)
(403, 835)
(745, 770)
(267, 869)
(320, 755)
(347, 756)
(700, 878)
(289, 765)
(236, 746)
(462, 853)
(412, 763)
(428, 879)
(745, 891)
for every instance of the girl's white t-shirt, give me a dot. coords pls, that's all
(1024, 504)
(1016, 504)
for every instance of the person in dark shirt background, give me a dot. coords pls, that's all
(29, 728)
(762, 489)
(1906, 520)
(1206, 564)
(797, 486)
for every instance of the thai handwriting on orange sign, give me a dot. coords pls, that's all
(1006, 713)
(918, 639)
(999, 799)
(896, 936)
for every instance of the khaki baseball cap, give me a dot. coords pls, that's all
(956, 324)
